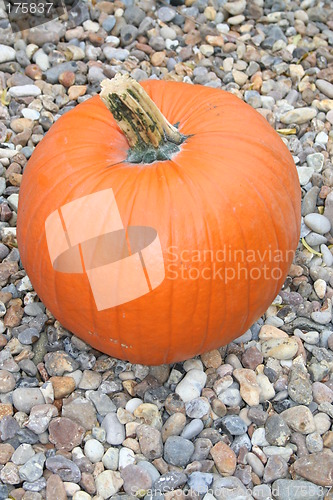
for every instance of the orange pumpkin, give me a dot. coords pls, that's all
(157, 262)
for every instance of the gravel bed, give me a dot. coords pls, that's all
(252, 420)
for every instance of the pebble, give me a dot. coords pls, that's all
(65, 434)
(65, 468)
(24, 91)
(299, 385)
(317, 468)
(22, 454)
(32, 469)
(108, 483)
(25, 398)
(224, 458)
(318, 223)
(289, 489)
(282, 349)
(299, 418)
(249, 388)
(277, 432)
(115, 431)
(178, 451)
(325, 87)
(191, 385)
(137, 481)
(298, 116)
(93, 450)
(7, 53)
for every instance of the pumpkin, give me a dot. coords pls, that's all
(158, 221)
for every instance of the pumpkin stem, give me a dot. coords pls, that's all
(150, 136)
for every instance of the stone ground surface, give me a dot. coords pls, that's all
(75, 423)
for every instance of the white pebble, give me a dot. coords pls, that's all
(320, 285)
(24, 91)
(327, 256)
(94, 450)
(132, 404)
(126, 457)
(7, 53)
(191, 386)
(318, 223)
(304, 174)
(31, 114)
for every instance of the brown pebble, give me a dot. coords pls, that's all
(88, 483)
(13, 316)
(15, 179)
(211, 359)
(252, 357)
(42, 370)
(158, 58)
(76, 91)
(17, 493)
(5, 409)
(65, 434)
(224, 458)
(33, 71)
(62, 386)
(67, 78)
(55, 488)
(6, 451)
(5, 297)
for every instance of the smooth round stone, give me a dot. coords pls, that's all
(325, 87)
(259, 437)
(30, 114)
(81, 495)
(327, 255)
(66, 469)
(255, 463)
(133, 404)
(192, 429)
(289, 489)
(94, 450)
(322, 422)
(262, 492)
(166, 14)
(115, 431)
(178, 451)
(7, 53)
(298, 116)
(24, 91)
(25, 398)
(318, 223)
